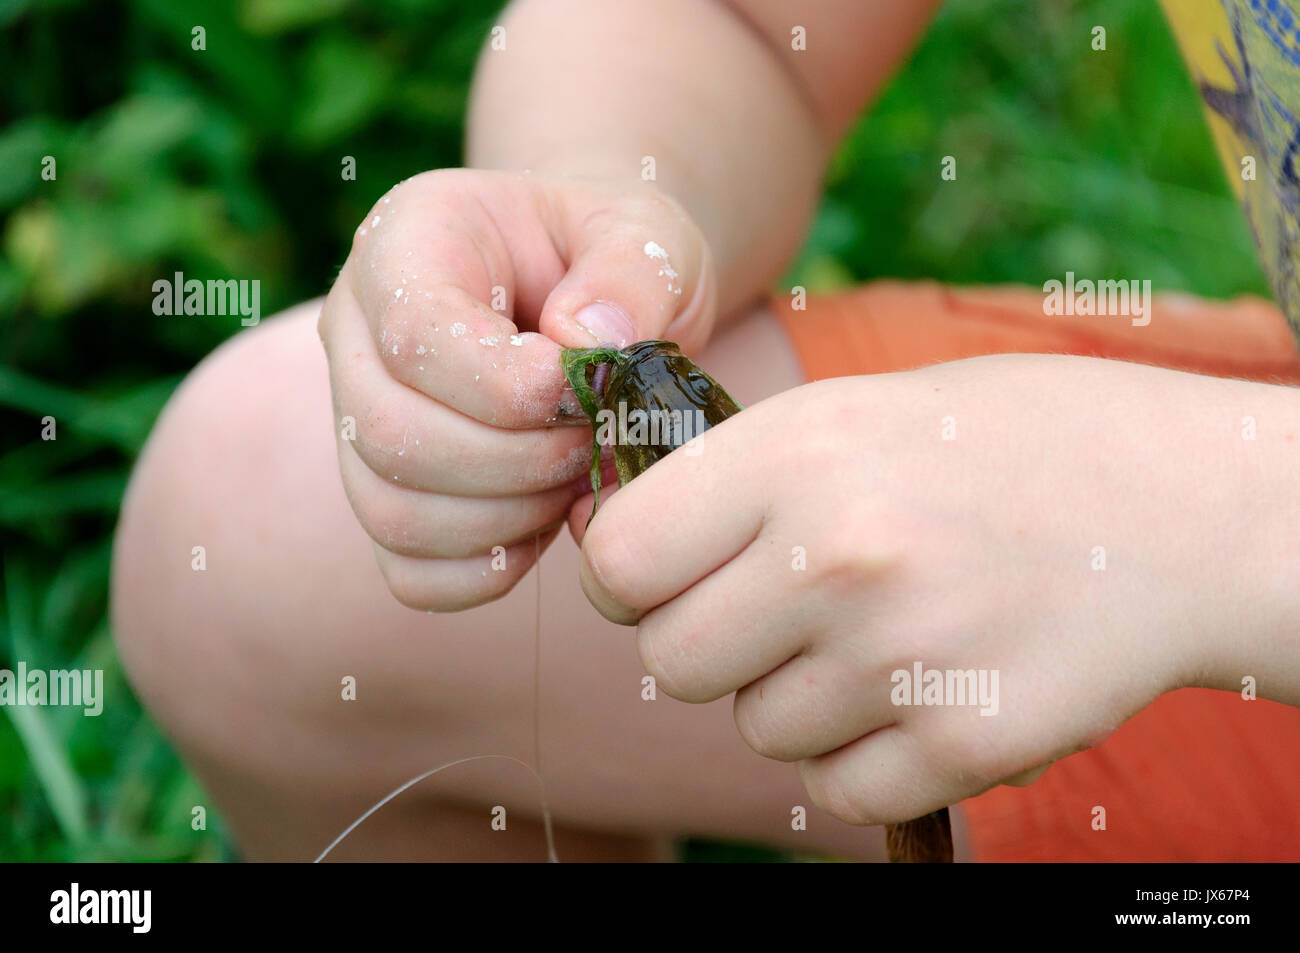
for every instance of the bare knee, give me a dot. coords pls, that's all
(194, 524)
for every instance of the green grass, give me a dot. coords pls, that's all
(227, 164)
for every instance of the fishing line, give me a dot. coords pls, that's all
(537, 704)
(535, 769)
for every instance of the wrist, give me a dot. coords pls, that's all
(1254, 559)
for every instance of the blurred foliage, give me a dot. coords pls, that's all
(1067, 159)
(222, 162)
(226, 162)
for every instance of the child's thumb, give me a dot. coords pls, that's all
(623, 286)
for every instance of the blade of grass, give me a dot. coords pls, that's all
(63, 790)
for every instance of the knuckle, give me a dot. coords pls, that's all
(359, 500)
(500, 587)
(396, 352)
(672, 656)
(379, 438)
(406, 585)
(980, 758)
(384, 521)
(828, 792)
(364, 245)
(849, 561)
(755, 727)
(478, 528)
(613, 560)
(488, 585)
(652, 652)
(414, 588)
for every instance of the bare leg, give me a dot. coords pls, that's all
(243, 662)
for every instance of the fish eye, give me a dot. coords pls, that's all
(699, 384)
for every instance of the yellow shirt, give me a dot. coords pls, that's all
(1245, 59)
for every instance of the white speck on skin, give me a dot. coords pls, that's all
(394, 348)
(374, 221)
(397, 294)
(476, 378)
(656, 252)
(516, 340)
(457, 329)
(488, 342)
(419, 349)
(361, 231)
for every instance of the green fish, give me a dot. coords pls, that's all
(666, 397)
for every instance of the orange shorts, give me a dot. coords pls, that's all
(1199, 775)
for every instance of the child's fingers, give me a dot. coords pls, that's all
(819, 700)
(452, 585)
(408, 439)
(900, 772)
(885, 777)
(638, 269)
(435, 336)
(705, 508)
(437, 271)
(729, 629)
(430, 525)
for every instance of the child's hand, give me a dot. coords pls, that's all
(443, 334)
(1075, 526)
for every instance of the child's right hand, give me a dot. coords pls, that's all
(443, 334)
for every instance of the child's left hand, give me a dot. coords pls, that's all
(1078, 527)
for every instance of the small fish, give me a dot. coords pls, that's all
(650, 376)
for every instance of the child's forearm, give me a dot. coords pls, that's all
(700, 94)
(1260, 559)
